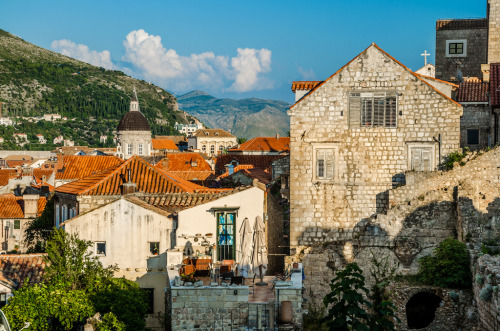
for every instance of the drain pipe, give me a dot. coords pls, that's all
(438, 140)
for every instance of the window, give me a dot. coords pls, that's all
(100, 248)
(456, 48)
(129, 149)
(221, 149)
(212, 149)
(57, 215)
(204, 148)
(473, 137)
(421, 159)
(140, 149)
(225, 236)
(3, 299)
(17, 224)
(154, 248)
(373, 109)
(150, 295)
(324, 161)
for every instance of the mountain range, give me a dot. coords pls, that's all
(246, 118)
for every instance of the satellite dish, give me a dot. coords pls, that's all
(460, 76)
(4, 324)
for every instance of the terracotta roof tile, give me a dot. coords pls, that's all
(39, 173)
(18, 269)
(212, 133)
(305, 85)
(159, 144)
(462, 24)
(184, 162)
(5, 175)
(11, 207)
(42, 202)
(147, 178)
(495, 84)
(261, 175)
(473, 91)
(193, 175)
(265, 144)
(236, 169)
(80, 166)
(16, 163)
(175, 139)
(258, 161)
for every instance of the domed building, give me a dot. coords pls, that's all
(133, 133)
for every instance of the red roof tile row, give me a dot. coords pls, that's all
(80, 166)
(161, 144)
(5, 175)
(495, 84)
(473, 91)
(18, 269)
(184, 162)
(265, 144)
(304, 85)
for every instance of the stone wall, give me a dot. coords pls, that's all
(209, 308)
(470, 65)
(280, 166)
(285, 291)
(485, 287)
(275, 231)
(476, 117)
(494, 31)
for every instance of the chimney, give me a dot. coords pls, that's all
(277, 136)
(30, 205)
(485, 68)
(129, 187)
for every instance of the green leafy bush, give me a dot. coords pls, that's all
(448, 267)
(452, 158)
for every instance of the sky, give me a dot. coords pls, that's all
(232, 49)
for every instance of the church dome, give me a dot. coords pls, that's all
(133, 121)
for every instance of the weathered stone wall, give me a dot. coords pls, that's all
(485, 287)
(284, 291)
(275, 230)
(454, 313)
(475, 117)
(470, 65)
(494, 31)
(280, 166)
(209, 308)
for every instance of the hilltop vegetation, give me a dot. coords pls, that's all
(35, 81)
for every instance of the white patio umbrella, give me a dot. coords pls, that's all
(245, 248)
(259, 253)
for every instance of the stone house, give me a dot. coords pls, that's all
(211, 141)
(354, 137)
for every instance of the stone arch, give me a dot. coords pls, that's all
(421, 309)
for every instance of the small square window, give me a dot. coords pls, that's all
(473, 137)
(100, 248)
(154, 248)
(17, 224)
(456, 48)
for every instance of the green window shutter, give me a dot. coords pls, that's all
(354, 110)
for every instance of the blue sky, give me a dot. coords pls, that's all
(232, 48)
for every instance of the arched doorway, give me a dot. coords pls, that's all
(421, 309)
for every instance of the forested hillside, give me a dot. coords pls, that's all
(35, 81)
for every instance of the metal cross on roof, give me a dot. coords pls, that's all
(425, 55)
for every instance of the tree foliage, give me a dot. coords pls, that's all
(448, 267)
(77, 286)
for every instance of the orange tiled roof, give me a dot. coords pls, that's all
(16, 163)
(177, 201)
(42, 202)
(236, 169)
(193, 175)
(212, 133)
(147, 178)
(265, 144)
(175, 139)
(258, 161)
(80, 166)
(11, 207)
(183, 162)
(163, 144)
(42, 183)
(5, 175)
(473, 91)
(305, 85)
(263, 176)
(39, 173)
(17, 269)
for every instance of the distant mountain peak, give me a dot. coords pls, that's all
(193, 94)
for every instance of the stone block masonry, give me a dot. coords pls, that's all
(209, 308)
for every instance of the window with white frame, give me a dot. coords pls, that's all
(212, 149)
(204, 148)
(456, 48)
(373, 109)
(324, 162)
(129, 149)
(140, 149)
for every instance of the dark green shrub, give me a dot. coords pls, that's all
(448, 267)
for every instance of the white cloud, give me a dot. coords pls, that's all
(197, 71)
(83, 53)
(307, 74)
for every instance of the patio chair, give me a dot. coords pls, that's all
(227, 266)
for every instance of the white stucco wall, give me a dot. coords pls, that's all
(201, 219)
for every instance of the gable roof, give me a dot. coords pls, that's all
(15, 270)
(182, 162)
(212, 133)
(473, 91)
(163, 144)
(80, 166)
(11, 207)
(389, 56)
(147, 178)
(5, 175)
(265, 144)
